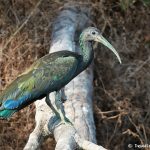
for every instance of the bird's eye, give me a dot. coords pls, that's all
(93, 32)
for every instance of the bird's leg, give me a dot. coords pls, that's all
(63, 95)
(60, 108)
(48, 101)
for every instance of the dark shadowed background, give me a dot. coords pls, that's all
(121, 92)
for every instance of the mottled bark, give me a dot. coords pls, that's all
(78, 107)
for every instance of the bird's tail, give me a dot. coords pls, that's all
(6, 113)
(10, 106)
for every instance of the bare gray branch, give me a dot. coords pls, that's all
(78, 106)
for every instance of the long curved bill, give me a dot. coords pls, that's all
(102, 40)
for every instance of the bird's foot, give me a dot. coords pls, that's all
(66, 121)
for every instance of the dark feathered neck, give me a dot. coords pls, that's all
(86, 51)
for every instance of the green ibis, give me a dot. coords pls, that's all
(50, 74)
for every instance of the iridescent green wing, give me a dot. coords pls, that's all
(12, 91)
(42, 77)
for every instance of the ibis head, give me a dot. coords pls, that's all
(93, 34)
